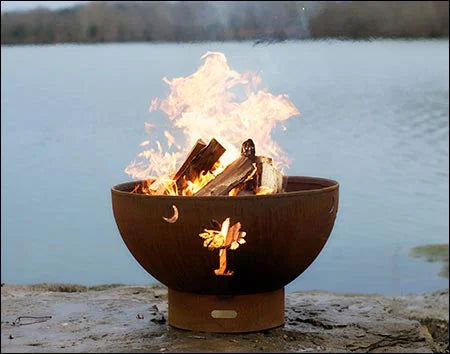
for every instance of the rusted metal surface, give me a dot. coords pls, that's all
(226, 313)
(285, 233)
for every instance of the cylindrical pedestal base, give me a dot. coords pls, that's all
(226, 313)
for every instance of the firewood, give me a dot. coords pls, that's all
(204, 160)
(233, 175)
(199, 146)
(248, 149)
(202, 157)
(260, 159)
(159, 188)
(267, 176)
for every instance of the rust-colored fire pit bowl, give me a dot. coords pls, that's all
(284, 233)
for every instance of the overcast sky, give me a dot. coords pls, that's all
(28, 5)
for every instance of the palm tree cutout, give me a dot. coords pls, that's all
(225, 238)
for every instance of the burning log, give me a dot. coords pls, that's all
(203, 161)
(158, 187)
(234, 175)
(267, 179)
(241, 182)
(237, 178)
(199, 146)
(247, 175)
(201, 158)
(248, 149)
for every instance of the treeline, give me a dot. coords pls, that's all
(385, 19)
(118, 21)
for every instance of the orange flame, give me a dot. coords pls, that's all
(203, 105)
(263, 190)
(198, 183)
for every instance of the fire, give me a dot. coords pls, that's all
(264, 190)
(198, 183)
(204, 105)
(227, 238)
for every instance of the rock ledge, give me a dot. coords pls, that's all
(117, 318)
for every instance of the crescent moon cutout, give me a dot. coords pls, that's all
(174, 218)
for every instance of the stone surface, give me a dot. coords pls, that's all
(134, 319)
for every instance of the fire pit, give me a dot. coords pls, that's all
(213, 216)
(284, 234)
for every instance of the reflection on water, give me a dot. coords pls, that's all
(374, 116)
(433, 253)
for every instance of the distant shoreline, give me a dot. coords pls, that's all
(256, 42)
(186, 22)
(250, 41)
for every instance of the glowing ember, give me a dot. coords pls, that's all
(203, 105)
(227, 238)
(264, 190)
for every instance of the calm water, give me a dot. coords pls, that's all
(375, 117)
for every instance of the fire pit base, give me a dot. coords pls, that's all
(226, 313)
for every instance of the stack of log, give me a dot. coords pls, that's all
(248, 174)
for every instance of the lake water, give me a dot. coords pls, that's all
(375, 117)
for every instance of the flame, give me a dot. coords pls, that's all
(205, 104)
(198, 183)
(171, 140)
(263, 190)
(234, 191)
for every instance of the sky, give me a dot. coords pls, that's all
(28, 5)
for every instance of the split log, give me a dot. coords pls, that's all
(199, 146)
(234, 174)
(158, 186)
(267, 177)
(265, 159)
(248, 174)
(247, 150)
(202, 157)
(203, 160)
